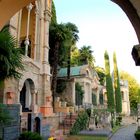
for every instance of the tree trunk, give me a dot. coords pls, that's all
(1, 90)
(68, 62)
(54, 73)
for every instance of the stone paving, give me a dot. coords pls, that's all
(96, 132)
(125, 133)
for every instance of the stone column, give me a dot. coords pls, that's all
(46, 36)
(33, 98)
(34, 106)
(73, 92)
(18, 101)
(84, 98)
(36, 49)
(46, 107)
(90, 94)
(29, 8)
(19, 25)
(46, 66)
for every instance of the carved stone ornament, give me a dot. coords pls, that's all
(136, 54)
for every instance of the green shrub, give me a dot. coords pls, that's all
(137, 134)
(118, 120)
(80, 124)
(30, 136)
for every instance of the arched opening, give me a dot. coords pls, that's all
(101, 99)
(94, 99)
(97, 26)
(26, 98)
(36, 125)
(78, 94)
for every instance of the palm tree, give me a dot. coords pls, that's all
(10, 64)
(86, 55)
(57, 34)
(10, 56)
(72, 39)
(61, 35)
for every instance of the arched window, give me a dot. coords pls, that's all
(94, 99)
(101, 99)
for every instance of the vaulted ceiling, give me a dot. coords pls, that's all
(9, 7)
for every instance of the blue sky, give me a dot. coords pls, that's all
(104, 26)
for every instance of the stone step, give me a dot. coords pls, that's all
(68, 122)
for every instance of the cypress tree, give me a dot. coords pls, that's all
(109, 84)
(53, 18)
(118, 97)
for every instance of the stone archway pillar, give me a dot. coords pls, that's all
(18, 101)
(73, 92)
(36, 50)
(46, 108)
(34, 106)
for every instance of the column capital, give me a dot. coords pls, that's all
(47, 15)
(26, 42)
(36, 11)
(29, 7)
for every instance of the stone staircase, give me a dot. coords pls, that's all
(68, 122)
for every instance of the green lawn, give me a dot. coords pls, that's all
(86, 138)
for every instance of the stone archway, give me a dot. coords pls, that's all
(26, 97)
(11, 7)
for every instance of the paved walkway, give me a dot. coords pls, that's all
(126, 133)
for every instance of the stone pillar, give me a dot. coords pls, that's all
(90, 93)
(36, 49)
(18, 101)
(46, 107)
(47, 18)
(98, 95)
(73, 92)
(46, 66)
(84, 98)
(29, 8)
(34, 106)
(33, 98)
(19, 25)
